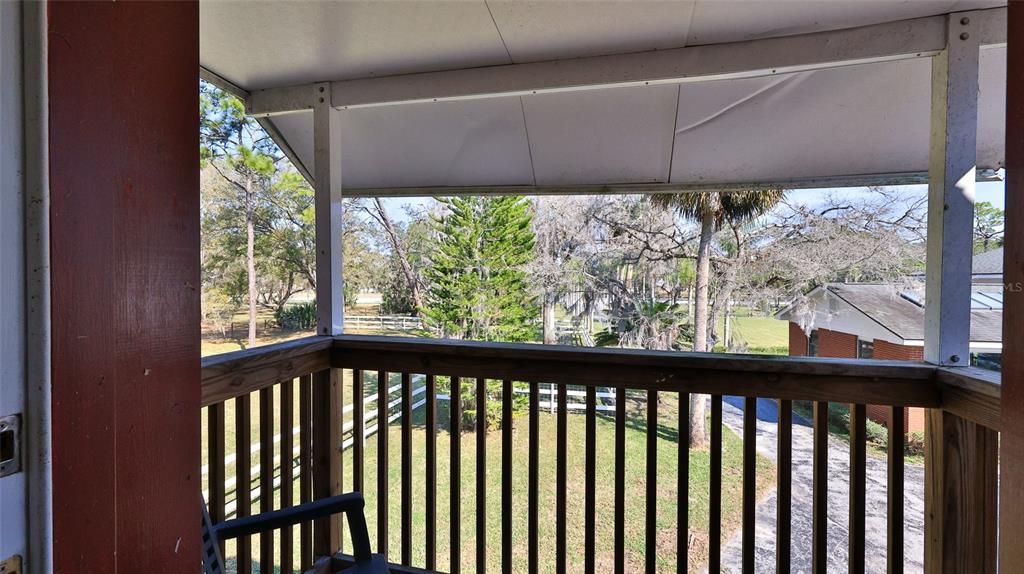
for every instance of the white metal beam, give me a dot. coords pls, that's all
(920, 37)
(884, 179)
(952, 166)
(223, 83)
(265, 122)
(327, 202)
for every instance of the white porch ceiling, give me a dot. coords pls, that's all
(866, 119)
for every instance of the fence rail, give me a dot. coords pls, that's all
(333, 430)
(384, 322)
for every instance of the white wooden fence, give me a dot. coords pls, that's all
(419, 387)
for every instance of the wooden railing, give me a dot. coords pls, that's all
(337, 421)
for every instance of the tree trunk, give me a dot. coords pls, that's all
(698, 431)
(728, 284)
(403, 257)
(250, 259)
(700, 312)
(726, 331)
(548, 314)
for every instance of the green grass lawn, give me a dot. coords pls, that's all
(605, 487)
(761, 332)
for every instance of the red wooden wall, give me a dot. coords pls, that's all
(123, 82)
(1011, 480)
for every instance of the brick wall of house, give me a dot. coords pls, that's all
(797, 341)
(913, 417)
(892, 351)
(836, 344)
(844, 346)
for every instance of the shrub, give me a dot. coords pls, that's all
(877, 434)
(298, 317)
(915, 444)
(467, 393)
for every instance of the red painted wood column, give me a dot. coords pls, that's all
(123, 100)
(1012, 441)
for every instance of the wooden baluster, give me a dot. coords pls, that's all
(749, 480)
(590, 493)
(383, 478)
(431, 486)
(287, 471)
(266, 474)
(683, 486)
(560, 479)
(406, 469)
(481, 475)
(651, 485)
(358, 430)
(620, 480)
(858, 487)
(243, 478)
(533, 479)
(784, 500)
(715, 502)
(455, 482)
(895, 491)
(507, 399)
(819, 504)
(215, 462)
(306, 466)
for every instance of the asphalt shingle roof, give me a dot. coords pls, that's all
(988, 263)
(903, 313)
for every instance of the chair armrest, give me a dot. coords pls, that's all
(351, 504)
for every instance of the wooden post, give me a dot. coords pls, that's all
(951, 175)
(1011, 480)
(124, 278)
(326, 413)
(327, 397)
(961, 469)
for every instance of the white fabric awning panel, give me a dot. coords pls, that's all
(621, 135)
(856, 120)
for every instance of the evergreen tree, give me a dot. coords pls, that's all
(988, 226)
(477, 272)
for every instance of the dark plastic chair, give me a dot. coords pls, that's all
(350, 504)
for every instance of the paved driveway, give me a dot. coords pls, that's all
(838, 498)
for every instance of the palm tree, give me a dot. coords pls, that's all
(713, 210)
(647, 325)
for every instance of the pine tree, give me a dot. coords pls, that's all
(477, 272)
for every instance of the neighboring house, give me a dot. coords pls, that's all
(885, 321)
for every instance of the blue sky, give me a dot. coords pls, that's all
(992, 192)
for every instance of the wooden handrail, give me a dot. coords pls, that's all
(798, 378)
(966, 391)
(972, 393)
(234, 374)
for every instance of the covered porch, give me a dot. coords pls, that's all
(629, 98)
(449, 98)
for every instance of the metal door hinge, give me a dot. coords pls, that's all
(10, 449)
(11, 565)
